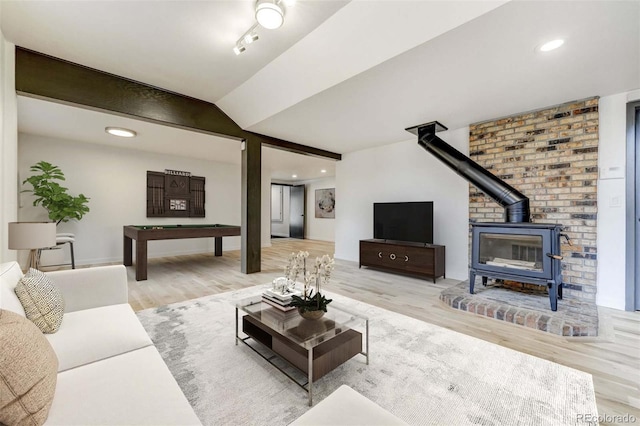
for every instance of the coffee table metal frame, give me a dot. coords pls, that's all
(348, 320)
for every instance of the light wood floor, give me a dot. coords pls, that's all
(613, 358)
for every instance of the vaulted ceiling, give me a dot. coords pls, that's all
(345, 76)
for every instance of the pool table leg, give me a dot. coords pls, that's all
(141, 260)
(218, 246)
(127, 254)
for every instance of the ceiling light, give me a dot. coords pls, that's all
(269, 14)
(247, 38)
(250, 37)
(294, 176)
(551, 45)
(323, 171)
(119, 131)
(289, 3)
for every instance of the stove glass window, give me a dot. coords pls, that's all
(514, 251)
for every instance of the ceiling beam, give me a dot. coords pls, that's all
(50, 78)
(295, 147)
(45, 77)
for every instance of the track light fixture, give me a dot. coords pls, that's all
(247, 38)
(269, 15)
(250, 37)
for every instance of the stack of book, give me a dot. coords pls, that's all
(279, 300)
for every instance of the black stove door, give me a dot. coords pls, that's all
(514, 251)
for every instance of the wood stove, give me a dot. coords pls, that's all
(515, 250)
(523, 252)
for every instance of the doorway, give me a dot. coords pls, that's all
(296, 212)
(287, 211)
(632, 302)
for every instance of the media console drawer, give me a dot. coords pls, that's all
(425, 260)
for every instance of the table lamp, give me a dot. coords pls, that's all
(32, 236)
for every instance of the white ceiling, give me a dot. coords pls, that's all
(345, 76)
(184, 46)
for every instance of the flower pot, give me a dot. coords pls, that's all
(311, 315)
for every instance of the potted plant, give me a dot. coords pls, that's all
(61, 206)
(310, 305)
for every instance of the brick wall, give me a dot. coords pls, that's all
(551, 156)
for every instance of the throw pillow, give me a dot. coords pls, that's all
(42, 300)
(28, 371)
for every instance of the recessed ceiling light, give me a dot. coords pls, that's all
(119, 131)
(323, 171)
(294, 176)
(551, 45)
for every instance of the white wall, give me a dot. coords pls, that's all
(281, 228)
(322, 229)
(115, 181)
(403, 172)
(611, 200)
(8, 145)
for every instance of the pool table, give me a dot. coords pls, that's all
(144, 233)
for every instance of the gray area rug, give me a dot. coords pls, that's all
(422, 373)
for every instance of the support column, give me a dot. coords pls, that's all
(251, 205)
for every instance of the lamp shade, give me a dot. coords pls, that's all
(31, 235)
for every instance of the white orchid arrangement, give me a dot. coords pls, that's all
(319, 276)
(297, 263)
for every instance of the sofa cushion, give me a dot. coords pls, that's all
(10, 274)
(28, 371)
(42, 300)
(346, 407)
(135, 388)
(94, 334)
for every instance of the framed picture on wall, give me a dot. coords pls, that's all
(326, 203)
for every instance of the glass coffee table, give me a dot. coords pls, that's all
(313, 347)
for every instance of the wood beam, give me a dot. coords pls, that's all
(46, 77)
(295, 147)
(251, 205)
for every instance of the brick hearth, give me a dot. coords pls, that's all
(525, 306)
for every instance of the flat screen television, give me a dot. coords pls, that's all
(408, 221)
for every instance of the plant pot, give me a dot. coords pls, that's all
(311, 315)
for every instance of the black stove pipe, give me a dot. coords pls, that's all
(515, 203)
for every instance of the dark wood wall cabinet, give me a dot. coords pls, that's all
(171, 195)
(424, 260)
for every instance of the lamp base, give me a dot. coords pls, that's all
(34, 259)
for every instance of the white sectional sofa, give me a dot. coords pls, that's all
(109, 371)
(346, 407)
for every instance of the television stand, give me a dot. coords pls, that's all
(420, 259)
